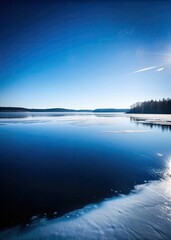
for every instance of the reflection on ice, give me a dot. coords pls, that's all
(78, 119)
(129, 131)
(152, 120)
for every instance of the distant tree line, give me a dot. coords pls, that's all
(155, 107)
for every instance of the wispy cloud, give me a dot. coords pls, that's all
(160, 69)
(145, 69)
(159, 154)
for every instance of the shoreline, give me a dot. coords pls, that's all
(156, 119)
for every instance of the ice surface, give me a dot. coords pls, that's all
(143, 214)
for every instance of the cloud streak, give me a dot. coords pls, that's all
(145, 69)
(160, 69)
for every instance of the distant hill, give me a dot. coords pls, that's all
(13, 109)
(19, 109)
(99, 110)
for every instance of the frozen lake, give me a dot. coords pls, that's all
(85, 176)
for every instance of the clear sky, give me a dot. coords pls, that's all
(84, 54)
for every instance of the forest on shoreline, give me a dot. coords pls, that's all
(152, 107)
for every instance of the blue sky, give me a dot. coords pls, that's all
(84, 54)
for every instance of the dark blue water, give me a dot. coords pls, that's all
(50, 165)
